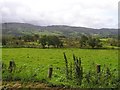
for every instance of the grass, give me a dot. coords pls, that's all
(35, 62)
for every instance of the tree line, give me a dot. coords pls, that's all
(45, 41)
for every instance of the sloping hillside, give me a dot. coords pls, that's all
(24, 28)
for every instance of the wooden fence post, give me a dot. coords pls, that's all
(12, 66)
(50, 70)
(98, 68)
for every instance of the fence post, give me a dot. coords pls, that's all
(98, 68)
(50, 70)
(12, 66)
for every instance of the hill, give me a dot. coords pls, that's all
(18, 29)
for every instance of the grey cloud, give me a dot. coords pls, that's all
(73, 12)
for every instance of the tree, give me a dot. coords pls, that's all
(94, 42)
(54, 41)
(28, 38)
(4, 40)
(43, 41)
(51, 40)
(113, 42)
(36, 37)
(83, 40)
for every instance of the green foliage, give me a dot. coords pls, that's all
(43, 41)
(94, 42)
(78, 69)
(32, 65)
(83, 41)
(37, 41)
(93, 79)
(114, 42)
(66, 64)
(50, 40)
(90, 41)
(4, 40)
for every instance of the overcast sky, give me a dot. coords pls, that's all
(88, 13)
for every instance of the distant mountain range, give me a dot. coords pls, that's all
(18, 29)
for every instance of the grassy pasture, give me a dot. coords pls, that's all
(35, 62)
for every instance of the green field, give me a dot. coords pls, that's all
(34, 63)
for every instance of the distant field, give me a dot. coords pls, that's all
(37, 61)
(34, 57)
